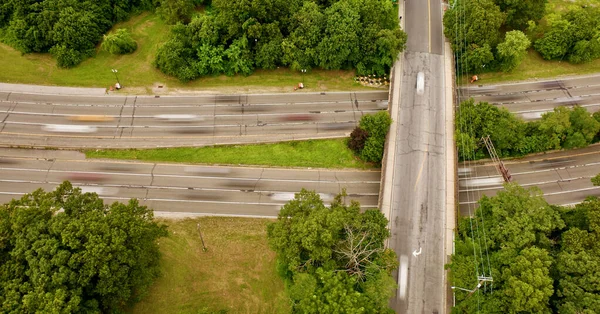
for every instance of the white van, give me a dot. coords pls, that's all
(420, 83)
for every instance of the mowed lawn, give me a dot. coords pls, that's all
(235, 275)
(331, 153)
(138, 76)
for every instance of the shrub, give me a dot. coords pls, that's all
(119, 42)
(358, 137)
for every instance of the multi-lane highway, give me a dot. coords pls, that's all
(563, 177)
(530, 100)
(241, 191)
(141, 121)
(418, 197)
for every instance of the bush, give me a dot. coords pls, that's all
(368, 140)
(66, 57)
(358, 137)
(120, 42)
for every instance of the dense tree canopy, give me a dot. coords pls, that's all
(67, 252)
(562, 128)
(235, 37)
(368, 139)
(69, 29)
(542, 258)
(333, 257)
(120, 42)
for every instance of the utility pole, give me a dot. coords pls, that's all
(481, 279)
(502, 170)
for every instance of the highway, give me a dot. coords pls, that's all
(418, 198)
(179, 188)
(563, 177)
(530, 100)
(33, 120)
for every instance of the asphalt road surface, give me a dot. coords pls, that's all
(563, 177)
(530, 100)
(238, 191)
(144, 121)
(418, 198)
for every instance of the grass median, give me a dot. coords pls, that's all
(235, 275)
(330, 153)
(138, 76)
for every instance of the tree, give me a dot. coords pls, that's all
(555, 43)
(340, 42)
(479, 22)
(377, 126)
(518, 13)
(358, 137)
(174, 11)
(66, 252)
(596, 180)
(306, 28)
(578, 262)
(512, 50)
(119, 42)
(333, 258)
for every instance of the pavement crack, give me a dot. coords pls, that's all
(151, 182)
(8, 95)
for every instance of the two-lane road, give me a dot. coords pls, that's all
(419, 186)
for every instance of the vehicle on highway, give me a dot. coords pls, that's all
(99, 190)
(551, 163)
(482, 182)
(179, 117)
(87, 177)
(382, 104)
(200, 170)
(339, 125)
(91, 118)
(568, 101)
(464, 172)
(69, 128)
(550, 84)
(420, 83)
(288, 196)
(298, 117)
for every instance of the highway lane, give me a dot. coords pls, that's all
(531, 99)
(563, 177)
(186, 188)
(141, 121)
(418, 200)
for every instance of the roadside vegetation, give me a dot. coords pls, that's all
(333, 259)
(368, 139)
(236, 274)
(542, 258)
(563, 128)
(137, 74)
(517, 40)
(233, 37)
(312, 153)
(68, 252)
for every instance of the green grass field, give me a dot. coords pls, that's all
(236, 275)
(312, 153)
(138, 76)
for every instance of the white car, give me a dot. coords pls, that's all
(420, 83)
(69, 128)
(179, 117)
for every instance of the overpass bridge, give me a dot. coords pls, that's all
(418, 175)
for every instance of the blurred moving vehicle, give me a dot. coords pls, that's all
(482, 182)
(420, 83)
(298, 117)
(551, 163)
(464, 172)
(288, 196)
(200, 170)
(568, 101)
(86, 177)
(99, 190)
(91, 118)
(179, 117)
(382, 104)
(69, 128)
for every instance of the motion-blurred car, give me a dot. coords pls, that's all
(568, 101)
(86, 177)
(69, 128)
(298, 117)
(101, 191)
(179, 117)
(91, 118)
(482, 182)
(200, 170)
